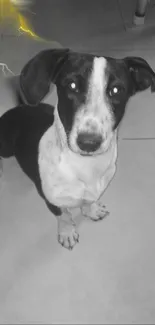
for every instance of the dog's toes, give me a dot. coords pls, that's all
(98, 212)
(100, 215)
(68, 237)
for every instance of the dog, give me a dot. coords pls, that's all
(70, 151)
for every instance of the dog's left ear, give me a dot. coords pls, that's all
(39, 72)
(141, 73)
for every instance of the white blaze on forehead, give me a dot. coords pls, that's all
(98, 80)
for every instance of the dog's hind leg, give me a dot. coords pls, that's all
(6, 139)
(1, 167)
(8, 133)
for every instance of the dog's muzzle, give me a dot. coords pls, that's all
(89, 142)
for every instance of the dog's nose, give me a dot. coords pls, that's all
(89, 142)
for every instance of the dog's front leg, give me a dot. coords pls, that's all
(97, 210)
(67, 233)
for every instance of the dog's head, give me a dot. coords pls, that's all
(92, 93)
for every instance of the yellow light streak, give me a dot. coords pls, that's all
(9, 12)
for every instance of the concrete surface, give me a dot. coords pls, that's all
(109, 276)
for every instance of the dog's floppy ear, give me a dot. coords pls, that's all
(39, 72)
(141, 73)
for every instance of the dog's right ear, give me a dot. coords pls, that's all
(141, 73)
(39, 72)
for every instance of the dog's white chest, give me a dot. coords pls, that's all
(69, 179)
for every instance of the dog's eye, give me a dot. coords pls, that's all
(73, 86)
(115, 91)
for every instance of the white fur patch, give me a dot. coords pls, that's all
(97, 84)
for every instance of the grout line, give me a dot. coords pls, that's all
(135, 139)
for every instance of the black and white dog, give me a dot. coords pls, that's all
(70, 151)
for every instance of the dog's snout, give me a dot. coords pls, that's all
(89, 142)
(91, 127)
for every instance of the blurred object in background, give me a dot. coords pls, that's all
(141, 8)
(12, 19)
(71, 22)
(22, 4)
(84, 25)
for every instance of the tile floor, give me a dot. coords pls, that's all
(109, 277)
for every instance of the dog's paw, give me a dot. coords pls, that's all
(68, 237)
(97, 211)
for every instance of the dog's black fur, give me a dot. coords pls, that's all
(21, 129)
